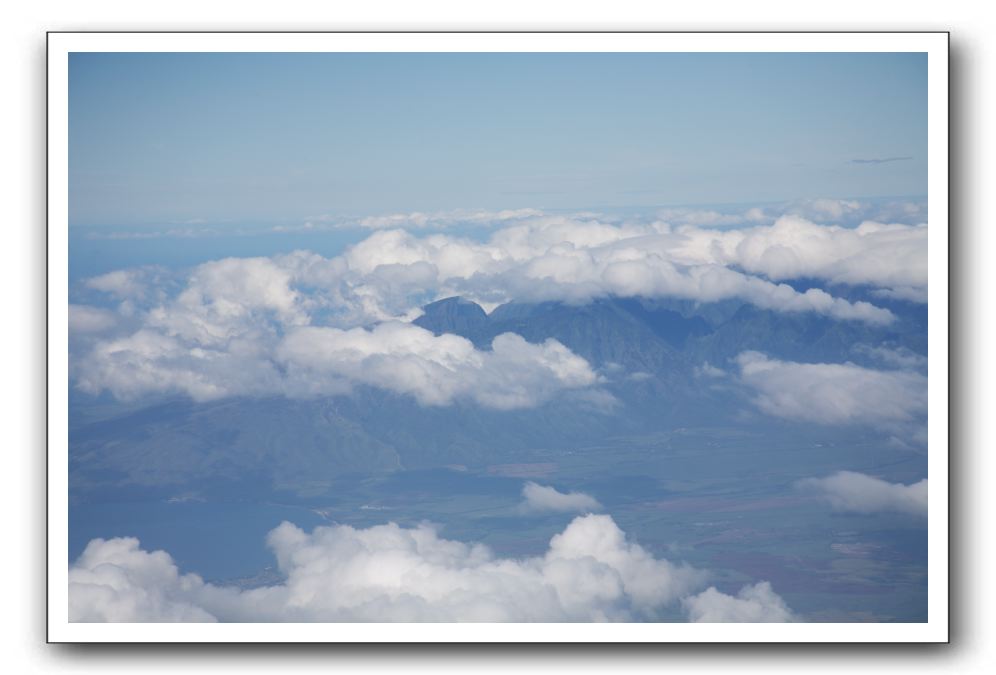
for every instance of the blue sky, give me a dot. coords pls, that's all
(244, 138)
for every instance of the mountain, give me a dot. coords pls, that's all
(452, 315)
(235, 441)
(649, 355)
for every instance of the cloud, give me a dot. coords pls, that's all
(709, 370)
(443, 219)
(897, 357)
(315, 361)
(436, 370)
(172, 233)
(115, 580)
(822, 209)
(590, 572)
(556, 258)
(88, 319)
(882, 160)
(150, 362)
(415, 220)
(917, 294)
(241, 326)
(544, 498)
(247, 314)
(859, 493)
(124, 284)
(835, 393)
(578, 258)
(753, 604)
(231, 299)
(714, 218)
(875, 254)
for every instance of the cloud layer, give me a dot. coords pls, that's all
(853, 492)
(590, 572)
(246, 325)
(559, 258)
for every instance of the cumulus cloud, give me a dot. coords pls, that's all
(859, 493)
(590, 572)
(873, 253)
(229, 299)
(434, 369)
(835, 393)
(241, 327)
(151, 362)
(545, 498)
(311, 361)
(753, 604)
(114, 580)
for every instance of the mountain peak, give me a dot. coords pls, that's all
(452, 315)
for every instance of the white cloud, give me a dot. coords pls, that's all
(115, 580)
(392, 272)
(545, 498)
(415, 220)
(709, 370)
(854, 212)
(897, 357)
(123, 284)
(313, 361)
(436, 370)
(917, 294)
(835, 393)
(442, 219)
(231, 299)
(847, 212)
(89, 319)
(753, 604)
(873, 253)
(859, 493)
(150, 362)
(824, 209)
(713, 218)
(556, 258)
(590, 572)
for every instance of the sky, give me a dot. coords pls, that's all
(161, 139)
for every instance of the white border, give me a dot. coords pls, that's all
(59, 46)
